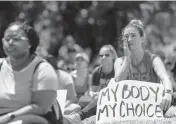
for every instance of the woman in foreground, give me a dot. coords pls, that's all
(28, 83)
(139, 64)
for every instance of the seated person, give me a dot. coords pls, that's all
(28, 83)
(82, 77)
(139, 64)
(105, 71)
(65, 81)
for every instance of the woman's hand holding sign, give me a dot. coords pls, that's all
(166, 102)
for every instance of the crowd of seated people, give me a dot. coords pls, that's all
(32, 99)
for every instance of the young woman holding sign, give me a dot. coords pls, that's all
(139, 64)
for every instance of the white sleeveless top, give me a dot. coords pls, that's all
(16, 86)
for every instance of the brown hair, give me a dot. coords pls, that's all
(136, 24)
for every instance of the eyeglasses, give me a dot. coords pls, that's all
(106, 55)
(15, 39)
(69, 69)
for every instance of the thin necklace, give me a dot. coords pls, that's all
(136, 67)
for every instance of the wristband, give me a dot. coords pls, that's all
(168, 91)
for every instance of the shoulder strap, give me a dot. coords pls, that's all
(148, 58)
(152, 56)
(37, 66)
(154, 77)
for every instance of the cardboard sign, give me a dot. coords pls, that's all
(129, 100)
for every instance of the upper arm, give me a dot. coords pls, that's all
(162, 73)
(160, 69)
(44, 86)
(66, 82)
(45, 78)
(69, 85)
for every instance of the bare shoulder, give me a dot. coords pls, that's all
(157, 61)
(119, 60)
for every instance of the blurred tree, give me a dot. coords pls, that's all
(91, 23)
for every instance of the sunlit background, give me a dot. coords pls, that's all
(68, 27)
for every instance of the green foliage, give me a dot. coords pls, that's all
(92, 23)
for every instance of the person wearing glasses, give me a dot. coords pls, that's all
(105, 71)
(140, 64)
(28, 83)
(100, 78)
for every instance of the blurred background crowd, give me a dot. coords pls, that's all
(68, 27)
